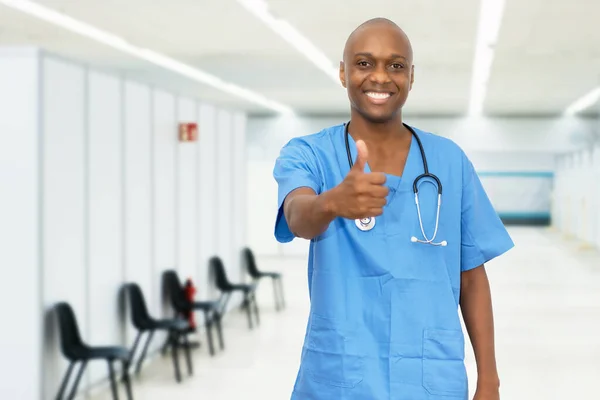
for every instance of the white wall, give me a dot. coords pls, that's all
(65, 239)
(137, 182)
(20, 299)
(106, 194)
(576, 196)
(507, 152)
(207, 191)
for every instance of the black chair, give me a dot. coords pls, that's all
(256, 275)
(143, 322)
(182, 306)
(75, 350)
(227, 289)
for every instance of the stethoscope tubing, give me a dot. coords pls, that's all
(425, 174)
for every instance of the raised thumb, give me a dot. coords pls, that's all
(361, 158)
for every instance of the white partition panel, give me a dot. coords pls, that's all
(19, 230)
(224, 224)
(208, 177)
(105, 219)
(64, 209)
(164, 151)
(596, 191)
(138, 193)
(240, 201)
(187, 173)
(587, 210)
(576, 181)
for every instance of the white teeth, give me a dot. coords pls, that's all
(377, 95)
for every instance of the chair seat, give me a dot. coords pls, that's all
(269, 275)
(204, 305)
(243, 287)
(101, 352)
(176, 324)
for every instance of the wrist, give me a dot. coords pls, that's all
(488, 381)
(327, 205)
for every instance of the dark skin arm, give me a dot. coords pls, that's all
(476, 307)
(359, 195)
(307, 213)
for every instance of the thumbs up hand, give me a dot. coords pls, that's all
(360, 195)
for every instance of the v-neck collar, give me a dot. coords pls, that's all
(412, 166)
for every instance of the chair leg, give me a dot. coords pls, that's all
(175, 354)
(65, 381)
(113, 382)
(188, 357)
(127, 380)
(219, 329)
(143, 355)
(77, 380)
(208, 326)
(134, 347)
(248, 307)
(256, 313)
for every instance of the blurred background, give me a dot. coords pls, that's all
(137, 144)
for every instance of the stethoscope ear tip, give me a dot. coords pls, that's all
(413, 239)
(444, 243)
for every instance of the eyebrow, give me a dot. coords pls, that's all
(367, 54)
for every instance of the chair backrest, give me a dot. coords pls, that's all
(218, 270)
(250, 263)
(139, 311)
(175, 290)
(70, 338)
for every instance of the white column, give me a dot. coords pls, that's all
(20, 297)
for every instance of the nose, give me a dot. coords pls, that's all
(380, 75)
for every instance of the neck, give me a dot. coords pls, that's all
(377, 132)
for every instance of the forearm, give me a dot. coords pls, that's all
(476, 307)
(308, 214)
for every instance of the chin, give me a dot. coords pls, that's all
(381, 117)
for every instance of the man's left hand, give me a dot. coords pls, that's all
(487, 393)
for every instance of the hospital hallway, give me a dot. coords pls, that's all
(546, 294)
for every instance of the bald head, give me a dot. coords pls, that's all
(377, 26)
(377, 70)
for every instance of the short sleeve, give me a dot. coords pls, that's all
(295, 167)
(484, 236)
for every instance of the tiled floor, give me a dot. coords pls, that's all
(547, 310)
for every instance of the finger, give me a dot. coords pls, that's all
(378, 202)
(378, 191)
(361, 158)
(376, 178)
(368, 202)
(375, 211)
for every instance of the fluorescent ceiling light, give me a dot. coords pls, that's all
(260, 9)
(584, 102)
(116, 42)
(490, 18)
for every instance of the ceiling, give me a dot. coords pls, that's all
(546, 57)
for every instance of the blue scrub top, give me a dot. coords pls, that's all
(384, 320)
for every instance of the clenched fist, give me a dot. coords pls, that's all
(360, 195)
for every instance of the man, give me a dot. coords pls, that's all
(387, 275)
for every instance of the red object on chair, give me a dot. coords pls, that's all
(190, 292)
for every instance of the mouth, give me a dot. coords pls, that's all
(378, 97)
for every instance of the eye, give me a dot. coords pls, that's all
(363, 63)
(397, 66)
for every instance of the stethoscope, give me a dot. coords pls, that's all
(366, 224)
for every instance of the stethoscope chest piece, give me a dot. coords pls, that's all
(365, 224)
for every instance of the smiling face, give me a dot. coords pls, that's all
(377, 71)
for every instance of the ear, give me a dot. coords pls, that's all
(342, 74)
(412, 76)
